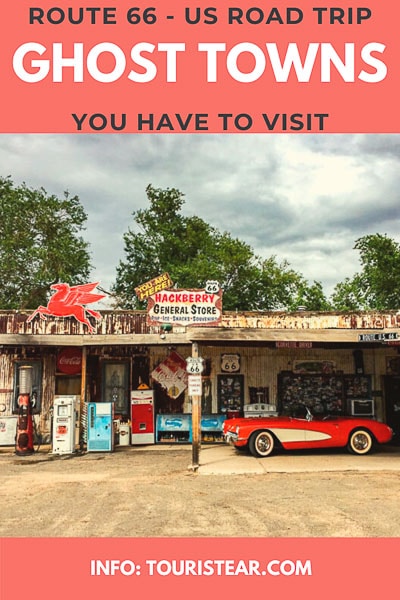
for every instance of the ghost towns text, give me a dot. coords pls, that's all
(107, 62)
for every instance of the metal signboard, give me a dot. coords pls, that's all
(194, 385)
(377, 337)
(162, 282)
(290, 344)
(185, 307)
(70, 301)
(230, 363)
(171, 374)
(194, 365)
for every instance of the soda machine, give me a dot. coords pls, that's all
(64, 425)
(142, 417)
(100, 427)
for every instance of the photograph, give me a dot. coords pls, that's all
(199, 299)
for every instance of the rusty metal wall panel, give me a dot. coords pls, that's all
(7, 360)
(306, 320)
(6, 383)
(112, 323)
(134, 322)
(48, 391)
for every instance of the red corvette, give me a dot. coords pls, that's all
(261, 435)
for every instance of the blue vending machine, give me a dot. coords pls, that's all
(100, 429)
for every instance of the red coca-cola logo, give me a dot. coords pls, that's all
(69, 361)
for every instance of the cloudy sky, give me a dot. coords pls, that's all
(304, 198)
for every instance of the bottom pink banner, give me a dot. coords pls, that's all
(99, 568)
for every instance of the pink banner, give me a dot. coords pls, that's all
(232, 67)
(198, 568)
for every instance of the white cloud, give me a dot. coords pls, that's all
(304, 198)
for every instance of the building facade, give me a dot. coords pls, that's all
(335, 363)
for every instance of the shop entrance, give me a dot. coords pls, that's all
(392, 404)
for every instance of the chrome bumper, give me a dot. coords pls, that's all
(230, 437)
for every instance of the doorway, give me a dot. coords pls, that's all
(392, 404)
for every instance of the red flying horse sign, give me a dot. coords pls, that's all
(68, 302)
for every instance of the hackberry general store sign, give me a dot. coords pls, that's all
(185, 307)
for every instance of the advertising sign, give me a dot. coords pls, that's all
(185, 307)
(162, 282)
(69, 361)
(171, 374)
(70, 301)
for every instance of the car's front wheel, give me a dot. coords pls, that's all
(360, 442)
(261, 444)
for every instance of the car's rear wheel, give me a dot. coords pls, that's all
(261, 444)
(360, 442)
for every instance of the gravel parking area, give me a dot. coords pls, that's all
(152, 492)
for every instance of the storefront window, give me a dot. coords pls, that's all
(116, 386)
(230, 393)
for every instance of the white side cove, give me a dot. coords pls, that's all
(299, 435)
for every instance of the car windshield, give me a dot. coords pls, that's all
(299, 411)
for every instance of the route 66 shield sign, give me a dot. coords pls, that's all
(230, 363)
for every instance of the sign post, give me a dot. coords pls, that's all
(194, 369)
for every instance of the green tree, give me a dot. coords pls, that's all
(377, 285)
(312, 297)
(40, 244)
(348, 294)
(192, 252)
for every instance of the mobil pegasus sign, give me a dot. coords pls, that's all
(185, 307)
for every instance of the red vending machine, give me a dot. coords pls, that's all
(142, 417)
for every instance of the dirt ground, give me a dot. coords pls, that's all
(135, 492)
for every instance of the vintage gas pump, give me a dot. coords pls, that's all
(24, 434)
(64, 425)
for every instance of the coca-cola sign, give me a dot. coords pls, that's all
(69, 361)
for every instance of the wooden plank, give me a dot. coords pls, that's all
(92, 340)
(198, 334)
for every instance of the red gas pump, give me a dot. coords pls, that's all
(24, 435)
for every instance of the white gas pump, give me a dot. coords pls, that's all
(64, 425)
